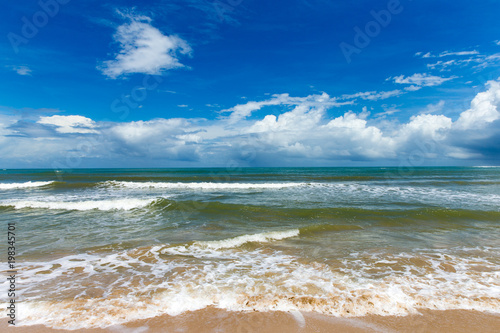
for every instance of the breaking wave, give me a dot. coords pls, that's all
(12, 186)
(117, 204)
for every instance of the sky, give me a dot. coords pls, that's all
(249, 83)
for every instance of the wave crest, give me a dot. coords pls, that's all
(12, 186)
(117, 204)
(204, 185)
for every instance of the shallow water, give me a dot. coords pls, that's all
(103, 247)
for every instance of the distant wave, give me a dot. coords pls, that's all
(389, 217)
(11, 186)
(117, 204)
(207, 185)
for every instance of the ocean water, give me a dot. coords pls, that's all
(101, 247)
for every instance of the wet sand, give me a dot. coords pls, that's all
(215, 320)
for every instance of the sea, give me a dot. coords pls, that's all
(102, 247)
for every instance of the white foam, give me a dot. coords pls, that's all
(424, 194)
(144, 283)
(240, 240)
(116, 204)
(299, 318)
(343, 192)
(210, 248)
(10, 186)
(204, 186)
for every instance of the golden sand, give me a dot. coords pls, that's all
(215, 320)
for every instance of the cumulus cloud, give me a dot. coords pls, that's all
(142, 132)
(158, 138)
(303, 132)
(484, 109)
(421, 80)
(144, 49)
(426, 126)
(69, 124)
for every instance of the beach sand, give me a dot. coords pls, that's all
(216, 320)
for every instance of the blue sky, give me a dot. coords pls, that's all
(249, 83)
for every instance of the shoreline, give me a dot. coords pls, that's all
(217, 320)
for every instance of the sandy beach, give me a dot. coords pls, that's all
(215, 320)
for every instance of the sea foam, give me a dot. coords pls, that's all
(150, 283)
(233, 242)
(11, 186)
(116, 204)
(204, 186)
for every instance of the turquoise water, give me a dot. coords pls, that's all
(136, 243)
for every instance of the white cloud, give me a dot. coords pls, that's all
(242, 111)
(22, 70)
(484, 109)
(443, 65)
(488, 61)
(373, 95)
(348, 120)
(69, 124)
(478, 60)
(447, 54)
(427, 126)
(301, 118)
(421, 80)
(497, 42)
(304, 134)
(460, 53)
(139, 132)
(144, 49)
(413, 88)
(5, 122)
